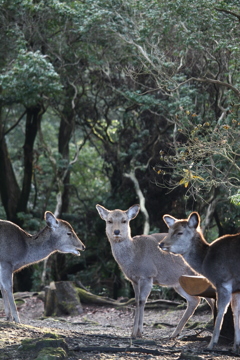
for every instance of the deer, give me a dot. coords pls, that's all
(20, 249)
(218, 262)
(144, 264)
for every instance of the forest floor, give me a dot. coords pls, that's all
(103, 333)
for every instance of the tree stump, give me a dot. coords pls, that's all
(61, 298)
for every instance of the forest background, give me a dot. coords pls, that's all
(116, 103)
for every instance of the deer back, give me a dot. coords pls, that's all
(12, 241)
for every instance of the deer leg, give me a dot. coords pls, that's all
(224, 295)
(5, 298)
(136, 287)
(144, 287)
(211, 303)
(192, 303)
(236, 318)
(6, 280)
(6, 305)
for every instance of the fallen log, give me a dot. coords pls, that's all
(162, 304)
(110, 349)
(87, 297)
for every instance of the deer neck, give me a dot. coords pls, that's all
(123, 251)
(38, 247)
(196, 255)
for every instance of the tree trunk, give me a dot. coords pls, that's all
(64, 137)
(9, 189)
(33, 120)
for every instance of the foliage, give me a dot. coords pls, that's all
(195, 74)
(30, 77)
(236, 198)
(203, 157)
(119, 87)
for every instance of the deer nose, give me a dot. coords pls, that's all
(164, 247)
(116, 232)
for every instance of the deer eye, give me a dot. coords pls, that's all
(124, 221)
(180, 233)
(69, 234)
(110, 221)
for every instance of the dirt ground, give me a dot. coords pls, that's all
(104, 333)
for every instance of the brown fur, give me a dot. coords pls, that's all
(144, 264)
(20, 249)
(218, 262)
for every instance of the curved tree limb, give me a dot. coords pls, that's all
(229, 12)
(141, 197)
(213, 81)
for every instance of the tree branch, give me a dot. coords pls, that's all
(213, 81)
(127, 349)
(141, 197)
(229, 12)
(16, 123)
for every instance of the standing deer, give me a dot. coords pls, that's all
(144, 264)
(20, 249)
(219, 262)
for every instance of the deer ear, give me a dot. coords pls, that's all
(169, 220)
(103, 212)
(51, 220)
(133, 211)
(194, 220)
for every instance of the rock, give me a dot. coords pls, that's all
(39, 344)
(50, 353)
(45, 349)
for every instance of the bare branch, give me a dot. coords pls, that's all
(208, 80)
(229, 12)
(141, 197)
(16, 123)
